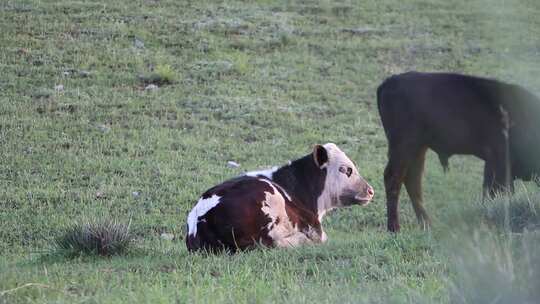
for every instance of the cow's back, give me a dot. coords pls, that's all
(450, 113)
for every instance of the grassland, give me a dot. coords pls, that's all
(257, 83)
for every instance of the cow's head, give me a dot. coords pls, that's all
(343, 185)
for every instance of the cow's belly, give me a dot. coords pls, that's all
(456, 145)
(285, 235)
(464, 139)
(281, 229)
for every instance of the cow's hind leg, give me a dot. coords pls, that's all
(400, 158)
(392, 185)
(207, 240)
(489, 177)
(497, 169)
(496, 180)
(413, 184)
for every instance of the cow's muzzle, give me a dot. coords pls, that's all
(365, 196)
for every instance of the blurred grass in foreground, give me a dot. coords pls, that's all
(493, 248)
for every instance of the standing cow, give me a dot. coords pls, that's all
(281, 207)
(455, 114)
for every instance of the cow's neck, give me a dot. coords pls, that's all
(304, 181)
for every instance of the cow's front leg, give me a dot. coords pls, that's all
(293, 240)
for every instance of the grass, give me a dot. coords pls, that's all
(257, 83)
(162, 75)
(495, 258)
(489, 268)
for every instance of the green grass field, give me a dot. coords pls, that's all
(258, 83)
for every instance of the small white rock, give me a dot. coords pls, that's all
(232, 164)
(104, 128)
(135, 193)
(59, 88)
(151, 87)
(167, 236)
(138, 43)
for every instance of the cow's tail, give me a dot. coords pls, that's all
(443, 158)
(193, 242)
(379, 94)
(384, 104)
(205, 239)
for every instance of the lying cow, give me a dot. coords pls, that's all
(281, 207)
(455, 114)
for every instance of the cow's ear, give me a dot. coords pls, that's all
(320, 156)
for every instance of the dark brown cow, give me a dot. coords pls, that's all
(455, 114)
(280, 207)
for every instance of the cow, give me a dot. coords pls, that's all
(455, 114)
(278, 207)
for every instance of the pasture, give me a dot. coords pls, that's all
(82, 135)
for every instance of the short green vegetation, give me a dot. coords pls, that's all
(129, 110)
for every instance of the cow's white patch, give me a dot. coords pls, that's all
(324, 237)
(336, 182)
(266, 173)
(201, 208)
(274, 185)
(280, 229)
(321, 212)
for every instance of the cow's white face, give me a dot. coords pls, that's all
(343, 185)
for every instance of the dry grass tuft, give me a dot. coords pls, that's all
(103, 237)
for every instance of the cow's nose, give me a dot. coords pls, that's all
(370, 192)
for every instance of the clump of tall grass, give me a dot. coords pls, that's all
(163, 74)
(493, 250)
(515, 213)
(103, 237)
(487, 267)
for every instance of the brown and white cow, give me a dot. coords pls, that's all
(279, 207)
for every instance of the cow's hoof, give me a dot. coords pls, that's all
(393, 227)
(425, 225)
(424, 222)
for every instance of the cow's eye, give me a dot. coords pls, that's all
(346, 170)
